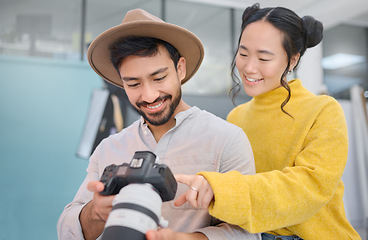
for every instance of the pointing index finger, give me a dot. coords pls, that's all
(185, 179)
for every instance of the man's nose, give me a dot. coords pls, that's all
(149, 94)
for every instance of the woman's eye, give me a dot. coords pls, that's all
(243, 55)
(264, 60)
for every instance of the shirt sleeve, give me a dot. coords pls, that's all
(228, 231)
(68, 225)
(237, 155)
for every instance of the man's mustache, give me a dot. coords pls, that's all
(159, 99)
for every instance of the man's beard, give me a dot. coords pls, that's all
(158, 119)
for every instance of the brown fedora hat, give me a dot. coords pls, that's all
(138, 22)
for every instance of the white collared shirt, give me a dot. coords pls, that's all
(199, 141)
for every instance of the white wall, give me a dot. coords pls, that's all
(310, 70)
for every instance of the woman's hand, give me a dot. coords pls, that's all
(199, 194)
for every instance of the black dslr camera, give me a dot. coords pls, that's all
(141, 169)
(140, 188)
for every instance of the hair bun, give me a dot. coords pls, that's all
(313, 31)
(250, 11)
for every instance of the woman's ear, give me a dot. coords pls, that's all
(294, 61)
(181, 68)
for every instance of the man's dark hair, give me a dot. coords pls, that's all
(139, 46)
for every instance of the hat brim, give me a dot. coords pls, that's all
(188, 45)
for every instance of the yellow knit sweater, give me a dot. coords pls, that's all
(299, 163)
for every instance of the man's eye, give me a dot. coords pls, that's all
(243, 55)
(160, 78)
(133, 85)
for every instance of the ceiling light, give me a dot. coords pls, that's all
(340, 60)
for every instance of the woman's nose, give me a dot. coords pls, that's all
(250, 67)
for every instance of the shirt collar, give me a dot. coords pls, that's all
(180, 117)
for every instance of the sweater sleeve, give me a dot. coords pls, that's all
(280, 198)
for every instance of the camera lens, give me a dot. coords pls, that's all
(136, 209)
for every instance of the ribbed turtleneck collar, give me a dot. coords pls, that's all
(278, 95)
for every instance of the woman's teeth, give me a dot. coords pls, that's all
(252, 79)
(155, 106)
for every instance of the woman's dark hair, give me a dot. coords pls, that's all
(139, 46)
(298, 35)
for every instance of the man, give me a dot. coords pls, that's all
(150, 59)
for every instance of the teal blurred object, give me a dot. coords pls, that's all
(43, 107)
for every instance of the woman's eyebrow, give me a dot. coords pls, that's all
(260, 51)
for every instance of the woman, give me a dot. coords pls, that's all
(299, 140)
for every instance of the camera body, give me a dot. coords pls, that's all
(141, 169)
(140, 188)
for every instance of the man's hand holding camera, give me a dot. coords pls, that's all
(95, 213)
(104, 208)
(102, 205)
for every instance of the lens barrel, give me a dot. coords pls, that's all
(136, 209)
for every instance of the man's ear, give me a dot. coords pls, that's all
(181, 68)
(294, 61)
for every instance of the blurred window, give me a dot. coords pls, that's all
(345, 52)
